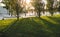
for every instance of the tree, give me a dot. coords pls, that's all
(19, 9)
(13, 6)
(7, 5)
(38, 5)
(50, 6)
(58, 6)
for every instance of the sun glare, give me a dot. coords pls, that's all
(57, 0)
(44, 1)
(28, 1)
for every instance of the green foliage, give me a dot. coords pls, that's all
(14, 7)
(59, 6)
(50, 6)
(38, 5)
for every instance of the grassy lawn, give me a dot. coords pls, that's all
(5, 23)
(32, 27)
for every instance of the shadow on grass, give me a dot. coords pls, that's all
(27, 28)
(32, 27)
(57, 19)
(55, 28)
(3, 33)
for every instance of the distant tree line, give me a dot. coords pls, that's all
(15, 7)
(52, 6)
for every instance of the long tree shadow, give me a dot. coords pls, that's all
(4, 32)
(32, 27)
(53, 27)
(57, 19)
(11, 28)
(28, 28)
(12, 25)
(35, 29)
(42, 31)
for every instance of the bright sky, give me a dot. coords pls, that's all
(44, 1)
(28, 1)
(1, 4)
(0, 0)
(57, 0)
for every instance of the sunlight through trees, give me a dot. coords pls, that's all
(37, 6)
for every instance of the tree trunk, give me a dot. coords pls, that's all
(17, 17)
(38, 14)
(52, 13)
(17, 11)
(25, 13)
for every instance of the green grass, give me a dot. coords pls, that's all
(32, 27)
(5, 23)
